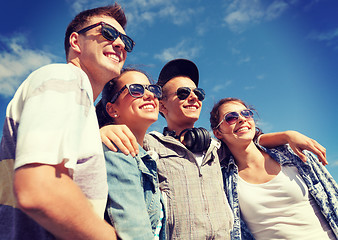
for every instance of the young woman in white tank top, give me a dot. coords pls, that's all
(273, 190)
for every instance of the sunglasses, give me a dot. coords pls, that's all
(232, 117)
(110, 33)
(137, 91)
(184, 92)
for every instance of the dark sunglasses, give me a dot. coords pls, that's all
(137, 91)
(111, 34)
(232, 117)
(184, 92)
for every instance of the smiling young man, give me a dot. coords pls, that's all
(190, 180)
(52, 170)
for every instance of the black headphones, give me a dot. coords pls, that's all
(195, 139)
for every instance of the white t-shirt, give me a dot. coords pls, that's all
(54, 116)
(282, 208)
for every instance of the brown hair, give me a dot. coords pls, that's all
(115, 11)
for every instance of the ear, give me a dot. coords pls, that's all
(74, 42)
(111, 110)
(217, 133)
(162, 108)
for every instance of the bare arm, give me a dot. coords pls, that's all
(297, 141)
(48, 195)
(121, 136)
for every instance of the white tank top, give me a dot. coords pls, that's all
(282, 208)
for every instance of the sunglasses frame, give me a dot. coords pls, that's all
(145, 86)
(251, 114)
(199, 92)
(128, 42)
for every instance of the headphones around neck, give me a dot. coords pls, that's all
(194, 139)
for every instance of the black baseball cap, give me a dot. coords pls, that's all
(178, 67)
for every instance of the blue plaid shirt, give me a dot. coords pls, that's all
(320, 183)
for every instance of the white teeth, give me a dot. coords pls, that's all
(243, 129)
(113, 56)
(148, 107)
(191, 107)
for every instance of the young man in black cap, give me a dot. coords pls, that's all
(188, 165)
(189, 172)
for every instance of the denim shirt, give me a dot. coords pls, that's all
(320, 183)
(134, 199)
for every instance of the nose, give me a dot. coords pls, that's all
(241, 118)
(192, 96)
(118, 43)
(148, 94)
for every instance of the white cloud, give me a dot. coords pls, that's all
(264, 126)
(16, 62)
(181, 50)
(222, 86)
(240, 13)
(324, 36)
(260, 77)
(244, 60)
(329, 37)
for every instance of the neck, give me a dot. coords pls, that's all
(246, 156)
(139, 134)
(179, 128)
(94, 81)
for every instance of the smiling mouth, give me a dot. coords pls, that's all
(242, 129)
(148, 106)
(191, 107)
(112, 56)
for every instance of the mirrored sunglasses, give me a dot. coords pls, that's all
(184, 92)
(137, 91)
(110, 33)
(232, 117)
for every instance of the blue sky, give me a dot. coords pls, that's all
(278, 55)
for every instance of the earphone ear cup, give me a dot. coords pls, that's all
(206, 138)
(189, 138)
(196, 139)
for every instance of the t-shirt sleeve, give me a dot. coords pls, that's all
(53, 114)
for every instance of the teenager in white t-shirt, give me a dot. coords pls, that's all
(273, 193)
(52, 169)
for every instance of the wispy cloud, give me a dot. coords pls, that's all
(329, 37)
(221, 86)
(265, 126)
(244, 60)
(182, 50)
(16, 62)
(141, 12)
(241, 13)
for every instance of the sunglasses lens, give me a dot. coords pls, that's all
(112, 34)
(199, 92)
(136, 90)
(156, 90)
(183, 92)
(231, 118)
(109, 33)
(128, 42)
(247, 113)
